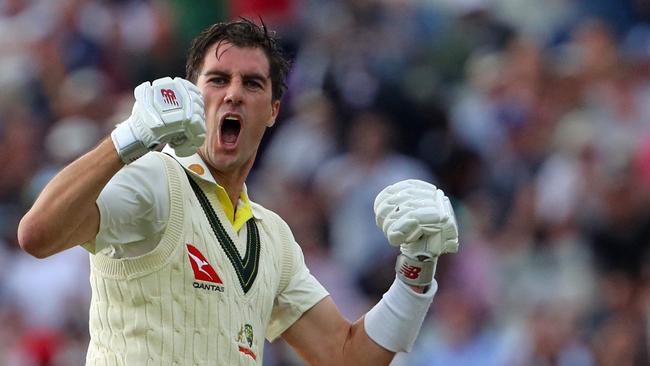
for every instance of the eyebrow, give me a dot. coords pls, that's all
(247, 76)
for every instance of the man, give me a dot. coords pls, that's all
(185, 268)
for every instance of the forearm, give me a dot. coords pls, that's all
(359, 349)
(65, 213)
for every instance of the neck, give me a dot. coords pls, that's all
(232, 181)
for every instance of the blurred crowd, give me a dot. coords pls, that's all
(533, 116)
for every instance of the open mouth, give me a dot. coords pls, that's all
(230, 129)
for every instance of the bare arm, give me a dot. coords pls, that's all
(408, 210)
(65, 213)
(323, 337)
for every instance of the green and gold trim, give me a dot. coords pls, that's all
(246, 268)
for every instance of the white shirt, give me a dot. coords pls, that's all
(134, 206)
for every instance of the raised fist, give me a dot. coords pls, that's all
(165, 111)
(420, 219)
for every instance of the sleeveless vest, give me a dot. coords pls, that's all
(194, 299)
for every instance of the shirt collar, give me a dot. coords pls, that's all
(197, 167)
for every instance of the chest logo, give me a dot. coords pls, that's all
(245, 340)
(203, 271)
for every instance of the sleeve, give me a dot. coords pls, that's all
(133, 209)
(300, 294)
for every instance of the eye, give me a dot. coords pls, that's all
(253, 84)
(218, 80)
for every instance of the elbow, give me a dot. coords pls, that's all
(31, 238)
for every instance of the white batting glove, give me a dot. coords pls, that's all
(420, 219)
(167, 111)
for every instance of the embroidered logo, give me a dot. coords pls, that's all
(203, 271)
(245, 340)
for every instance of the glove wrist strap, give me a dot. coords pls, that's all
(415, 272)
(128, 146)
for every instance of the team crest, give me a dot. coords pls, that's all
(245, 340)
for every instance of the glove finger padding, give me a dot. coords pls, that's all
(165, 111)
(410, 222)
(191, 88)
(414, 211)
(444, 239)
(400, 193)
(147, 117)
(450, 229)
(420, 219)
(194, 131)
(403, 229)
(195, 125)
(194, 139)
(432, 245)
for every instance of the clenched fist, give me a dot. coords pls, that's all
(165, 111)
(419, 218)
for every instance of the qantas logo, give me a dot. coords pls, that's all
(203, 271)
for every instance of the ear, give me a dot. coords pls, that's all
(275, 109)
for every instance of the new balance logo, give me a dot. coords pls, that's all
(410, 272)
(203, 271)
(169, 97)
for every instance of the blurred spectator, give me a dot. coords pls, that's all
(534, 117)
(301, 143)
(459, 336)
(348, 184)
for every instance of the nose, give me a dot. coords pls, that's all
(234, 94)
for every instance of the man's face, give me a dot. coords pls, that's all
(237, 91)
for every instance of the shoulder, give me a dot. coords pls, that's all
(148, 166)
(151, 161)
(143, 177)
(273, 223)
(267, 215)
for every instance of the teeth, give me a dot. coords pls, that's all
(232, 119)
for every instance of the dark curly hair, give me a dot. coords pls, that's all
(241, 33)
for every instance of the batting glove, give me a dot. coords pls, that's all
(167, 111)
(417, 217)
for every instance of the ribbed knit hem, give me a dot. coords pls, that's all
(154, 260)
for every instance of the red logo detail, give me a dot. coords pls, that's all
(410, 272)
(246, 351)
(203, 271)
(169, 96)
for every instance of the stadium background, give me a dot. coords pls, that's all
(534, 116)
